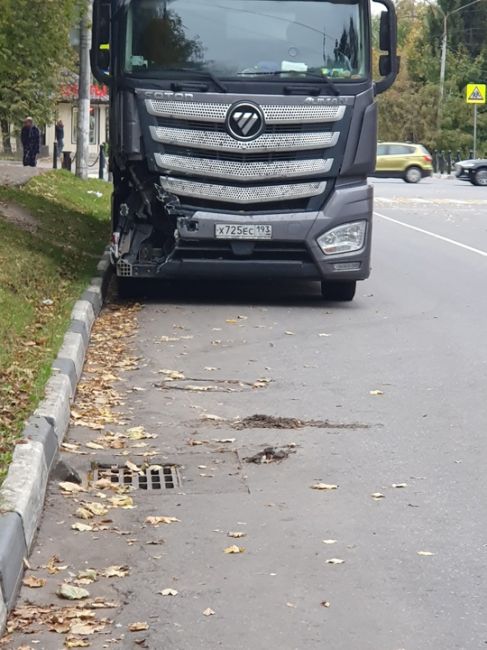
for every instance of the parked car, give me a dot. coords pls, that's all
(474, 171)
(411, 162)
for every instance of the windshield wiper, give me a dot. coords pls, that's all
(206, 74)
(295, 74)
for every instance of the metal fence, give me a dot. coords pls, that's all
(444, 161)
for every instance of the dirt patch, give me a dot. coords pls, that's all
(271, 422)
(18, 216)
(271, 455)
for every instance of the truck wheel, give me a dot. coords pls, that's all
(479, 177)
(413, 175)
(338, 291)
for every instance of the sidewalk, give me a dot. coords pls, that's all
(14, 174)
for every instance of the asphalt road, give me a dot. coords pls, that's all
(397, 380)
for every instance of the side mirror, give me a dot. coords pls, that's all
(384, 32)
(388, 63)
(101, 40)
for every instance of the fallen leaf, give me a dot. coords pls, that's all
(72, 642)
(399, 485)
(291, 605)
(289, 333)
(172, 375)
(94, 445)
(156, 520)
(73, 593)
(33, 582)
(377, 496)
(86, 628)
(234, 550)
(335, 560)
(133, 467)
(225, 440)
(237, 535)
(83, 513)
(425, 553)
(138, 627)
(324, 486)
(82, 528)
(323, 334)
(208, 612)
(325, 603)
(329, 541)
(211, 417)
(123, 501)
(376, 393)
(97, 509)
(169, 592)
(71, 488)
(115, 572)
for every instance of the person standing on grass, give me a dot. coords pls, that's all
(31, 142)
(60, 137)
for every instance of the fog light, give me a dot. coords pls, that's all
(347, 266)
(346, 238)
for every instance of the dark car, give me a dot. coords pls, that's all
(474, 171)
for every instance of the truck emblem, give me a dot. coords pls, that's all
(245, 121)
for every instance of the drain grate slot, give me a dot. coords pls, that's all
(151, 479)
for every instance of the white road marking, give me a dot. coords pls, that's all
(478, 251)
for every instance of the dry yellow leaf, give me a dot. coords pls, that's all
(115, 571)
(329, 541)
(376, 393)
(33, 582)
(156, 520)
(234, 550)
(71, 488)
(82, 528)
(94, 445)
(83, 513)
(138, 627)
(237, 534)
(335, 560)
(96, 508)
(425, 553)
(123, 501)
(324, 486)
(208, 612)
(72, 642)
(377, 496)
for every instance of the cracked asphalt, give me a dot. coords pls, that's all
(395, 382)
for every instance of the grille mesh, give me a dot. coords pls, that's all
(223, 142)
(235, 194)
(274, 114)
(251, 171)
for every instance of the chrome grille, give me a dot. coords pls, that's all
(274, 114)
(223, 142)
(249, 171)
(236, 194)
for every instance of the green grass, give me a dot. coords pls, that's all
(53, 264)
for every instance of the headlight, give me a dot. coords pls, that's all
(346, 238)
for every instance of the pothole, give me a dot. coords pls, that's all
(272, 422)
(271, 455)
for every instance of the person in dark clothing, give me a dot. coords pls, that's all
(31, 141)
(60, 137)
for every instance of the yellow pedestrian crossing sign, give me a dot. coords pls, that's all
(475, 94)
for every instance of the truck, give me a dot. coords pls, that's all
(242, 133)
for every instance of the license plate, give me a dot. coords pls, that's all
(242, 231)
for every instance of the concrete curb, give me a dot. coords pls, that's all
(23, 491)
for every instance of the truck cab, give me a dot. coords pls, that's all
(241, 136)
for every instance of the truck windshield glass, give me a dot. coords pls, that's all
(245, 38)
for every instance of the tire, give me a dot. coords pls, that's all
(413, 175)
(339, 291)
(479, 177)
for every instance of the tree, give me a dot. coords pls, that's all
(34, 48)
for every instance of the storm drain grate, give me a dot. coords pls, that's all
(154, 478)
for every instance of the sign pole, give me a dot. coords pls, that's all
(475, 130)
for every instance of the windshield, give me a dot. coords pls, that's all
(232, 38)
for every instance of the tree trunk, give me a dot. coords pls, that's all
(83, 139)
(7, 143)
